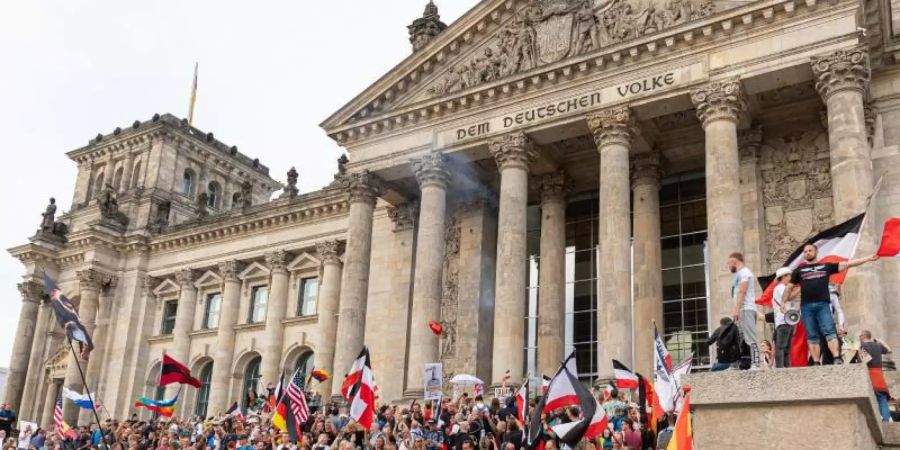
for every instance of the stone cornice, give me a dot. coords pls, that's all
(717, 27)
(299, 320)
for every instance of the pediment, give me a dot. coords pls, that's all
(167, 286)
(303, 261)
(209, 278)
(502, 40)
(254, 270)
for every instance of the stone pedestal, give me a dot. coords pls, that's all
(513, 154)
(362, 189)
(647, 258)
(327, 309)
(90, 284)
(719, 106)
(552, 273)
(273, 339)
(433, 177)
(219, 393)
(23, 342)
(842, 79)
(32, 387)
(613, 131)
(809, 407)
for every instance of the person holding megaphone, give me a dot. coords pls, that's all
(786, 316)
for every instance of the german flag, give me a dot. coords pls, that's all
(683, 436)
(320, 375)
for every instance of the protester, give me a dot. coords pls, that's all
(871, 352)
(743, 291)
(784, 332)
(767, 355)
(728, 344)
(7, 418)
(815, 300)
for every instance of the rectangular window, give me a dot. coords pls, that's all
(258, 298)
(170, 308)
(309, 291)
(211, 314)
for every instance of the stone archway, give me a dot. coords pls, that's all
(294, 357)
(239, 370)
(197, 400)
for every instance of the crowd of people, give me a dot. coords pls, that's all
(468, 423)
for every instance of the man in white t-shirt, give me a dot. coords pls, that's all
(784, 333)
(743, 292)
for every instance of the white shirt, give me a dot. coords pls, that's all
(749, 300)
(777, 301)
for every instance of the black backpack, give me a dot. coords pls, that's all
(728, 344)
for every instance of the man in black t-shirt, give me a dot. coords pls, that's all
(815, 300)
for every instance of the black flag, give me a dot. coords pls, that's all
(67, 316)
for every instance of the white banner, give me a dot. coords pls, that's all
(434, 376)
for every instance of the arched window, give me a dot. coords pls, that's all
(98, 185)
(203, 392)
(187, 182)
(136, 175)
(117, 179)
(212, 194)
(251, 380)
(302, 368)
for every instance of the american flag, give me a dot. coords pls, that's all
(298, 402)
(60, 425)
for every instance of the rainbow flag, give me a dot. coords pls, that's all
(164, 408)
(683, 436)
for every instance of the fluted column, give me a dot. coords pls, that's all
(647, 257)
(613, 130)
(719, 106)
(90, 284)
(32, 389)
(842, 79)
(513, 154)
(224, 351)
(551, 328)
(273, 338)
(53, 391)
(433, 177)
(101, 329)
(362, 190)
(327, 309)
(22, 343)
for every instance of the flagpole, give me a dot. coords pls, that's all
(193, 95)
(88, 391)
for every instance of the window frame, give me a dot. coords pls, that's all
(206, 310)
(166, 318)
(253, 304)
(188, 176)
(301, 296)
(201, 404)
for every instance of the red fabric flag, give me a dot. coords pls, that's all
(799, 347)
(890, 238)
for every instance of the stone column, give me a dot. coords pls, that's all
(647, 257)
(53, 390)
(101, 331)
(719, 105)
(90, 284)
(327, 309)
(273, 338)
(22, 343)
(224, 351)
(752, 201)
(551, 337)
(842, 79)
(184, 315)
(35, 360)
(362, 191)
(127, 172)
(514, 154)
(613, 130)
(431, 172)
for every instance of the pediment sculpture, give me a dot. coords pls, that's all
(548, 31)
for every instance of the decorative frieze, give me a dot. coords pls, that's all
(512, 150)
(329, 252)
(612, 126)
(846, 69)
(554, 186)
(404, 216)
(431, 169)
(720, 100)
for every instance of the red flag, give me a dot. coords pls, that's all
(799, 347)
(890, 238)
(362, 396)
(522, 401)
(625, 378)
(354, 375)
(175, 372)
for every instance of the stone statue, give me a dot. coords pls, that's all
(291, 189)
(342, 164)
(246, 194)
(202, 201)
(109, 205)
(160, 219)
(49, 216)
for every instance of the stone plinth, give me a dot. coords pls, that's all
(808, 407)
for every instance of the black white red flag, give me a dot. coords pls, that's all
(625, 378)
(362, 394)
(562, 391)
(355, 373)
(522, 402)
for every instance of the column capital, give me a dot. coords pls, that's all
(277, 261)
(361, 186)
(645, 169)
(185, 277)
(31, 291)
(749, 142)
(91, 279)
(720, 100)
(330, 251)
(149, 283)
(846, 69)
(404, 216)
(612, 126)
(512, 150)
(431, 169)
(229, 269)
(554, 186)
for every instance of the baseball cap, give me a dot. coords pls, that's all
(782, 272)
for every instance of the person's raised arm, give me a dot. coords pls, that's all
(844, 265)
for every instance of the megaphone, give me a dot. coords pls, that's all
(792, 316)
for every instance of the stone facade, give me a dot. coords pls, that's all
(461, 201)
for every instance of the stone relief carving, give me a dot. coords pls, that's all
(796, 191)
(546, 31)
(450, 293)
